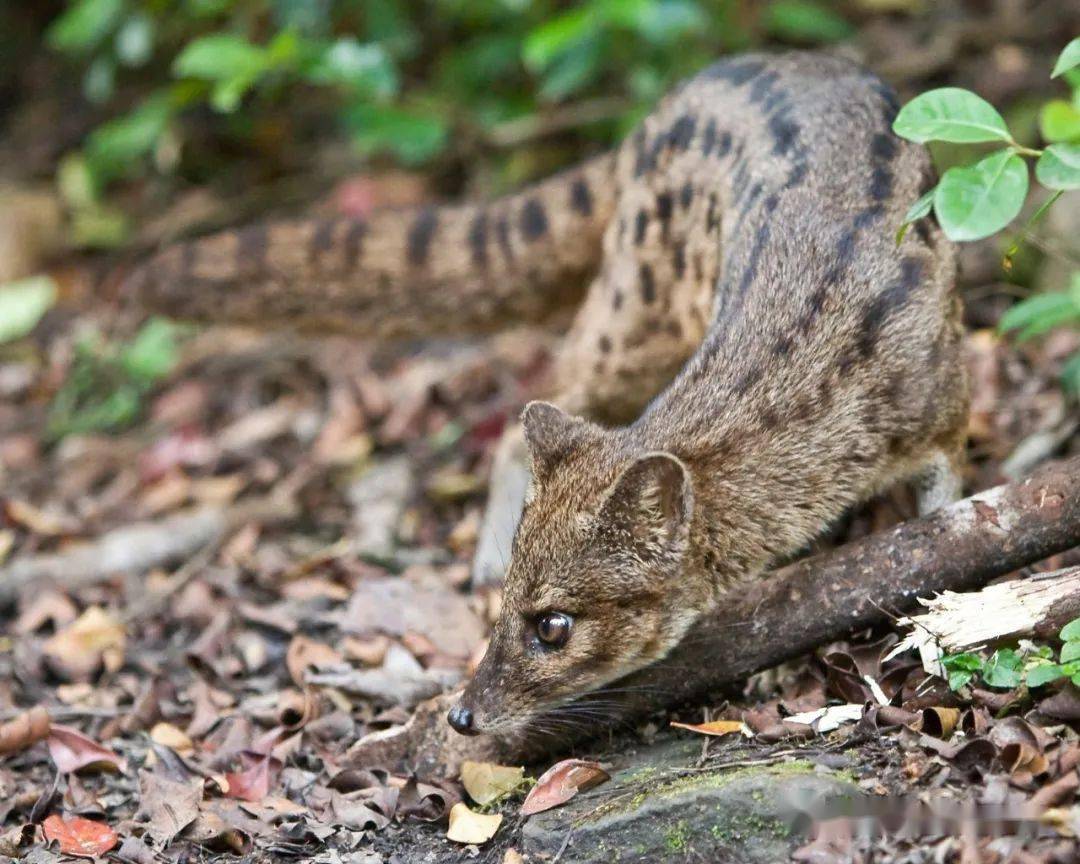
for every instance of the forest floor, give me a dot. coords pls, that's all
(272, 561)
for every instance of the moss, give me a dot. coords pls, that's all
(677, 836)
(688, 782)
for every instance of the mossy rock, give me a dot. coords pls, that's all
(649, 813)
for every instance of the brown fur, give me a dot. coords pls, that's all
(776, 356)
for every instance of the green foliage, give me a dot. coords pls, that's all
(397, 75)
(1007, 668)
(22, 304)
(107, 383)
(977, 201)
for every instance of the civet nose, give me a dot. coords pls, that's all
(461, 719)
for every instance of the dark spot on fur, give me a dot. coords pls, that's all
(616, 300)
(881, 183)
(763, 85)
(782, 347)
(664, 208)
(674, 328)
(478, 233)
(784, 131)
(421, 234)
(760, 239)
(922, 231)
(888, 302)
(648, 284)
(354, 242)
(581, 197)
(678, 260)
(699, 267)
(748, 381)
(502, 234)
(322, 240)
(709, 139)
(867, 217)
(771, 202)
(770, 420)
(604, 344)
(712, 215)
(724, 146)
(682, 133)
(686, 195)
(883, 147)
(534, 221)
(797, 175)
(641, 223)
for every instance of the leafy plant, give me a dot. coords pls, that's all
(976, 201)
(1006, 668)
(105, 389)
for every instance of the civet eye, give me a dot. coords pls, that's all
(553, 628)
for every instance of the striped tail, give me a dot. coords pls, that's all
(401, 273)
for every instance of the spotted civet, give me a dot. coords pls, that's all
(754, 353)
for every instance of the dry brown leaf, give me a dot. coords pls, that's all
(170, 805)
(485, 781)
(25, 730)
(251, 784)
(512, 856)
(304, 653)
(717, 728)
(34, 519)
(79, 650)
(939, 722)
(561, 782)
(82, 838)
(172, 737)
(467, 826)
(72, 751)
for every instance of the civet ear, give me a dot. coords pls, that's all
(551, 434)
(650, 504)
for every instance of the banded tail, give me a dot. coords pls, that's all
(401, 273)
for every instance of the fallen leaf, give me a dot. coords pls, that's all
(79, 650)
(25, 730)
(717, 728)
(172, 737)
(83, 838)
(939, 722)
(251, 784)
(827, 719)
(486, 782)
(467, 826)
(170, 805)
(304, 653)
(72, 751)
(512, 856)
(561, 782)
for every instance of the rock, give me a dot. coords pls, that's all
(378, 498)
(649, 813)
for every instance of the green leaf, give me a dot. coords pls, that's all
(661, 23)
(135, 40)
(572, 71)
(1069, 59)
(1071, 631)
(1076, 679)
(916, 211)
(1044, 673)
(1003, 669)
(1070, 374)
(112, 149)
(950, 114)
(1070, 651)
(544, 44)
(412, 136)
(22, 305)
(963, 662)
(1040, 313)
(153, 353)
(1059, 167)
(960, 679)
(805, 21)
(365, 68)
(221, 57)
(1059, 121)
(975, 202)
(84, 24)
